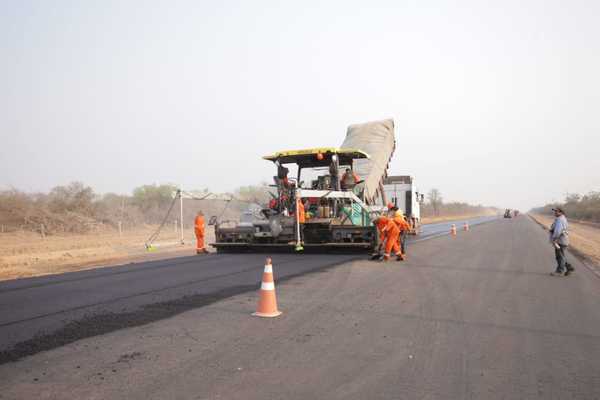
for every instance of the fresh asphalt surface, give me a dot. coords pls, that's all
(467, 317)
(95, 301)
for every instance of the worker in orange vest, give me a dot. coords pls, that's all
(301, 215)
(380, 222)
(404, 228)
(388, 237)
(199, 230)
(392, 243)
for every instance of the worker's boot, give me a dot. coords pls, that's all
(400, 257)
(385, 258)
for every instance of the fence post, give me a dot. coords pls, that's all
(42, 232)
(120, 229)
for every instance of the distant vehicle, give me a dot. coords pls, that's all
(401, 191)
(516, 213)
(507, 213)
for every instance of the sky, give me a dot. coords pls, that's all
(495, 103)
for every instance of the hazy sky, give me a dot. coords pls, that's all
(494, 102)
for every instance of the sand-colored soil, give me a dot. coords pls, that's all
(585, 238)
(25, 254)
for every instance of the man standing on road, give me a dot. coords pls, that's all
(559, 237)
(199, 231)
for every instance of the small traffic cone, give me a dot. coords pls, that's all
(466, 226)
(267, 303)
(453, 230)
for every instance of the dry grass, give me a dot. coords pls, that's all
(584, 238)
(26, 254)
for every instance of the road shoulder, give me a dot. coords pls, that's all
(585, 241)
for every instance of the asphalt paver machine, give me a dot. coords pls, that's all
(340, 189)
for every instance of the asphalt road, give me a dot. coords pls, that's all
(41, 313)
(45, 312)
(430, 231)
(467, 317)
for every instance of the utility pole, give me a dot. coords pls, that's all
(181, 213)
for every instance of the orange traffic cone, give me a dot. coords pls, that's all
(267, 304)
(453, 230)
(466, 226)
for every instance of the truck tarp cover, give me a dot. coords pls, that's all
(377, 140)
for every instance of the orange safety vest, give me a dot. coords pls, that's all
(199, 225)
(301, 213)
(401, 222)
(381, 224)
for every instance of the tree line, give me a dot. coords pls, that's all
(584, 207)
(435, 206)
(76, 208)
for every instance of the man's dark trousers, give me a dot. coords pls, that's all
(561, 260)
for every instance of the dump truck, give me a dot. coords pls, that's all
(401, 191)
(341, 190)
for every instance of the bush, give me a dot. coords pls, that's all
(583, 207)
(75, 208)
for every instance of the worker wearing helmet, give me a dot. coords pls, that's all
(404, 227)
(388, 238)
(199, 231)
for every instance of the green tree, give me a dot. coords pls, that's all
(153, 197)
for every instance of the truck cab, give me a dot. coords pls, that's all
(401, 191)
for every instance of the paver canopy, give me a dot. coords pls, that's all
(377, 140)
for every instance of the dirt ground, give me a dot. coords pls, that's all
(26, 254)
(584, 238)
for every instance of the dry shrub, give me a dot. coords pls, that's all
(75, 208)
(582, 207)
